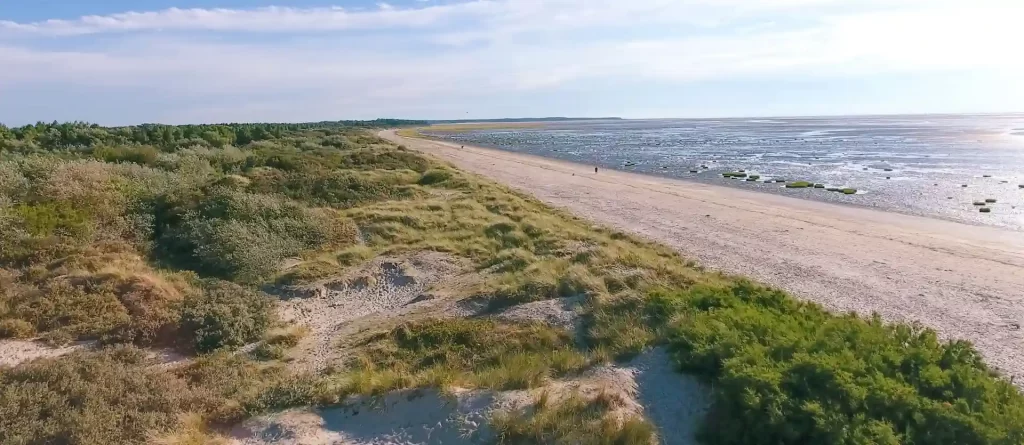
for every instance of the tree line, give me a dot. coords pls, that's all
(69, 135)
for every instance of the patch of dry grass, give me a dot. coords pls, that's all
(573, 419)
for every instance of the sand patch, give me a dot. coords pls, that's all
(649, 386)
(646, 386)
(410, 417)
(559, 312)
(675, 403)
(15, 352)
(384, 288)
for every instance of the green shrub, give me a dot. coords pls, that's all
(849, 191)
(244, 236)
(142, 155)
(339, 189)
(15, 328)
(225, 315)
(88, 398)
(53, 218)
(266, 352)
(789, 372)
(78, 311)
(432, 177)
(798, 184)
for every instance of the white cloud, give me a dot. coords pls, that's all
(498, 49)
(515, 14)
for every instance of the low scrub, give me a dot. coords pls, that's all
(788, 372)
(115, 396)
(225, 315)
(798, 185)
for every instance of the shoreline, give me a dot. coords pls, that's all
(962, 280)
(710, 182)
(910, 191)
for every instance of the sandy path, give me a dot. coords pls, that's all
(967, 282)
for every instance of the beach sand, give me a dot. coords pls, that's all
(966, 282)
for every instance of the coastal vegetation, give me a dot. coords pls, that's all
(140, 239)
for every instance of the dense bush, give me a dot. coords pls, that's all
(435, 177)
(789, 372)
(143, 155)
(15, 328)
(116, 397)
(244, 236)
(86, 399)
(225, 315)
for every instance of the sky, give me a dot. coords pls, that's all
(117, 62)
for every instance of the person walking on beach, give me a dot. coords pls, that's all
(595, 170)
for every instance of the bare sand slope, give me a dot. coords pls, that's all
(967, 282)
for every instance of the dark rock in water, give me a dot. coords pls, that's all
(985, 210)
(963, 185)
(888, 169)
(990, 200)
(986, 176)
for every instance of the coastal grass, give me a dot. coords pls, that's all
(176, 250)
(469, 353)
(571, 420)
(798, 185)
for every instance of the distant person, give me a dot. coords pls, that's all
(595, 170)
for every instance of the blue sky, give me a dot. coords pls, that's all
(182, 61)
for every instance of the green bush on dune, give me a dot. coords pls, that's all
(789, 372)
(225, 315)
(798, 185)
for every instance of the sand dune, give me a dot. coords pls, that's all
(965, 281)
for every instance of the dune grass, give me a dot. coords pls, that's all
(175, 250)
(475, 353)
(798, 185)
(571, 420)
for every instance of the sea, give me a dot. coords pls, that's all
(938, 166)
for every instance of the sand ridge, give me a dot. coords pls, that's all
(964, 281)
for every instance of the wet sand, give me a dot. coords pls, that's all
(967, 282)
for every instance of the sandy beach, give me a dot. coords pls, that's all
(967, 282)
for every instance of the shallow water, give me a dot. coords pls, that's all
(908, 164)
